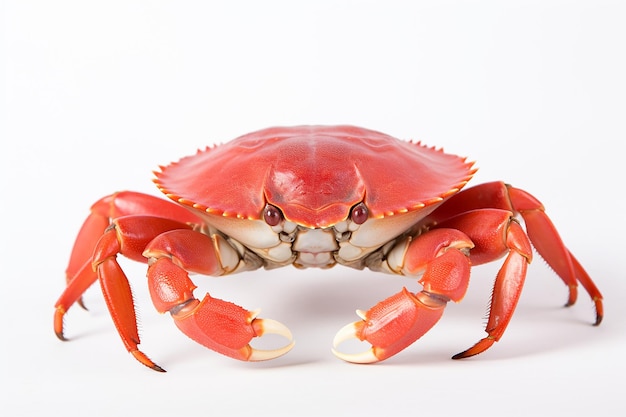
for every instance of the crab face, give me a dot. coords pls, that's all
(314, 195)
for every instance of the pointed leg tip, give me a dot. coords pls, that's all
(599, 318)
(599, 310)
(61, 336)
(82, 304)
(479, 347)
(466, 354)
(144, 360)
(157, 368)
(59, 313)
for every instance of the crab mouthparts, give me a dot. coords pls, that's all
(315, 247)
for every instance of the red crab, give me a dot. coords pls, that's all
(315, 196)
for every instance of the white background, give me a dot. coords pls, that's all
(98, 94)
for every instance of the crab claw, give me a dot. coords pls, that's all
(214, 323)
(228, 329)
(391, 325)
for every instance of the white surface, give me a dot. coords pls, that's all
(97, 94)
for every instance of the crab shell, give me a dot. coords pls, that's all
(315, 175)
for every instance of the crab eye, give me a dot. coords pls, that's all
(359, 213)
(272, 215)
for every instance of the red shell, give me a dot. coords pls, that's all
(314, 174)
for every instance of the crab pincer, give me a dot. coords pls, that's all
(442, 260)
(217, 324)
(390, 326)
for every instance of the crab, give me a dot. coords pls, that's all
(316, 196)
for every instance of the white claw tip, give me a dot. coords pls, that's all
(346, 333)
(363, 357)
(258, 355)
(270, 326)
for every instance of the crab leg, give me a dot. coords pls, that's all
(102, 211)
(395, 323)
(128, 236)
(543, 235)
(219, 325)
(494, 233)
